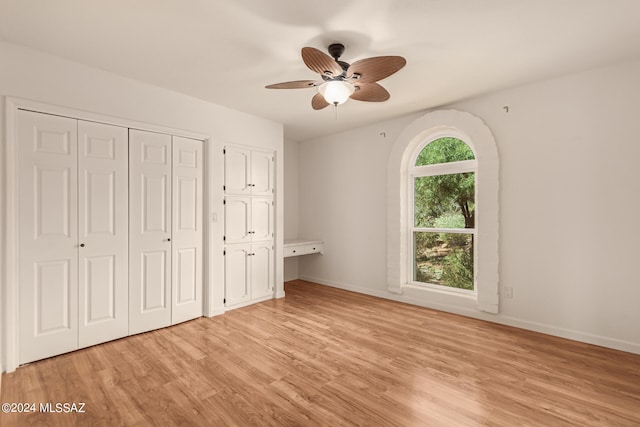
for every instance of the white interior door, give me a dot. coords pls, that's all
(262, 168)
(262, 275)
(149, 231)
(236, 274)
(187, 236)
(48, 235)
(103, 229)
(237, 170)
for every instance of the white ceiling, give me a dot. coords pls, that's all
(226, 51)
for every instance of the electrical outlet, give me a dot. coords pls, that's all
(507, 292)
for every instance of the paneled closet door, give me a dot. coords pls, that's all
(48, 234)
(187, 229)
(236, 274)
(103, 269)
(149, 231)
(237, 170)
(262, 173)
(237, 223)
(262, 270)
(262, 218)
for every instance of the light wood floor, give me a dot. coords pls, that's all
(326, 357)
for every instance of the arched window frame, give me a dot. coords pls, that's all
(477, 135)
(435, 170)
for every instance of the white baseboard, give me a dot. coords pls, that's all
(246, 303)
(215, 311)
(571, 334)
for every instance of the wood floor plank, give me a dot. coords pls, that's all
(323, 356)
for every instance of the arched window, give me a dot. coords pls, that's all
(442, 214)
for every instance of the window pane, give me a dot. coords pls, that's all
(445, 201)
(444, 150)
(443, 259)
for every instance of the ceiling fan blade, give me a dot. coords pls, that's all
(371, 92)
(298, 84)
(318, 102)
(377, 68)
(320, 62)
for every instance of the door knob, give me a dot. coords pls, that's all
(82, 245)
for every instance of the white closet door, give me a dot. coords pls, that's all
(236, 170)
(236, 274)
(262, 168)
(187, 239)
(262, 275)
(48, 233)
(261, 218)
(149, 231)
(103, 270)
(237, 219)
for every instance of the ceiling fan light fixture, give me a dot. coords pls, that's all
(336, 92)
(341, 80)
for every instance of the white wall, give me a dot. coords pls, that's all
(291, 190)
(31, 75)
(569, 149)
(343, 181)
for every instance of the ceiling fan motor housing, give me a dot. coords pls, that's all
(336, 50)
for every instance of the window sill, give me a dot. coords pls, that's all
(439, 290)
(442, 289)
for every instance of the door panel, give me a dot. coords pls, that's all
(262, 165)
(237, 219)
(187, 206)
(262, 274)
(236, 274)
(103, 232)
(154, 281)
(150, 231)
(53, 201)
(100, 286)
(261, 219)
(154, 197)
(99, 193)
(188, 229)
(236, 170)
(187, 289)
(48, 235)
(53, 293)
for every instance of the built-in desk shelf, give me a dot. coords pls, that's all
(299, 247)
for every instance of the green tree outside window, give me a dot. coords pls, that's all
(444, 202)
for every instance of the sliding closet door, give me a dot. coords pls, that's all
(103, 270)
(48, 234)
(149, 231)
(187, 230)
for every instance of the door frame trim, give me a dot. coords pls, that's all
(9, 206)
